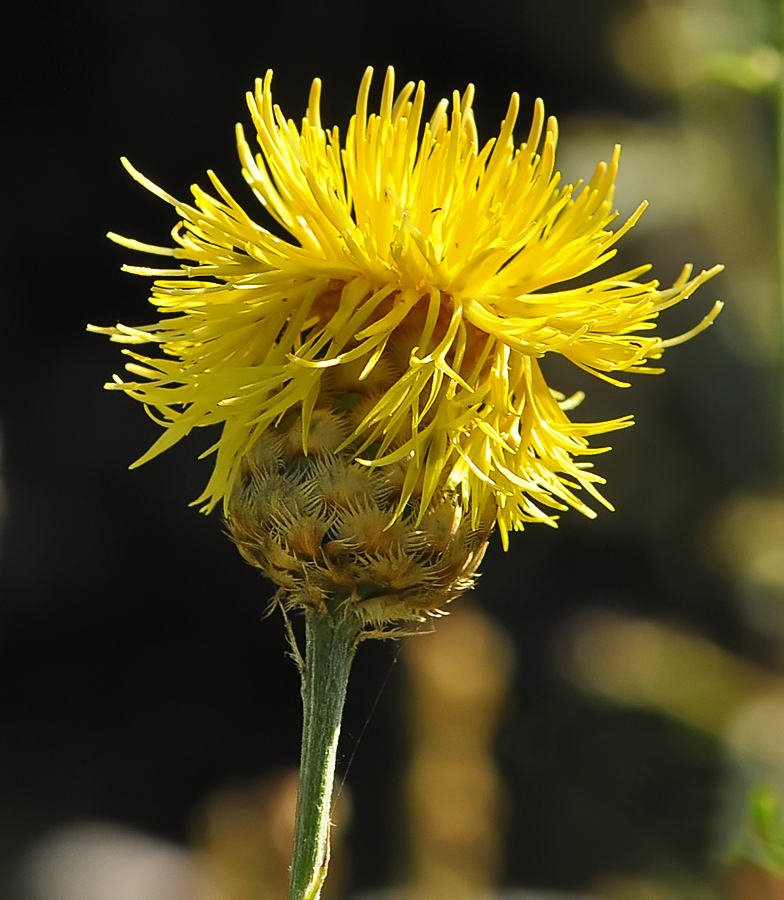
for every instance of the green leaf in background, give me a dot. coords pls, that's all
(768, 834)
(754, 71)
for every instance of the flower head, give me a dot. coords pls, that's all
(425, 277)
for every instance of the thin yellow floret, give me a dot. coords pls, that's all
(409, 242)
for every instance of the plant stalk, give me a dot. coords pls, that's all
(330, 645)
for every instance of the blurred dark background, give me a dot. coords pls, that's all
(137, 673)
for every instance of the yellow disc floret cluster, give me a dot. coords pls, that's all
(424, 265)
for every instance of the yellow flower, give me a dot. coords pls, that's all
(433, 270)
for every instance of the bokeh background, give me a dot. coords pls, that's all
(634, 688)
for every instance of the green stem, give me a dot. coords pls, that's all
(330, 646)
